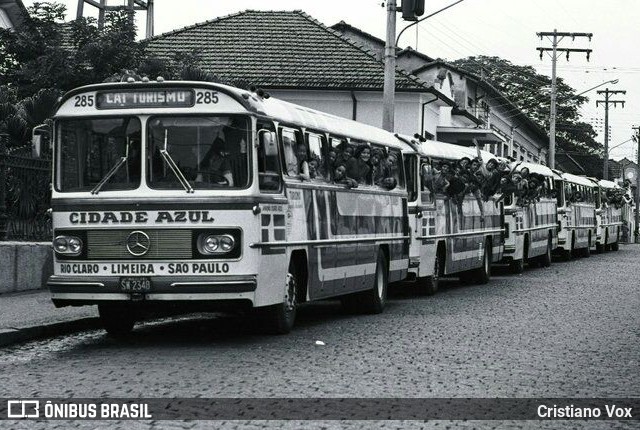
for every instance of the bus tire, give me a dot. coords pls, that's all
(280, 318)
(428, 285)
(117, 320)
(545, 259)
(373, 300)
(599, 248)
(615, 246)
(482, 274)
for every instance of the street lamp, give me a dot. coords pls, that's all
(613, 81)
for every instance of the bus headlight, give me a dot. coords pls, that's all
(215, 244)
(67, 245)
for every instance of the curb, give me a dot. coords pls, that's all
(11, 336)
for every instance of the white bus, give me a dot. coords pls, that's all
(192, 193)
(576, 196)
(447, 237)
(609, 217)
(531, 227)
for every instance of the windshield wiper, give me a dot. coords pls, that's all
(109, 175)
(174, 167)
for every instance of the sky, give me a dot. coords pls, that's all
(504, 28)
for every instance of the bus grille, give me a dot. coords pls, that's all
(164, 244)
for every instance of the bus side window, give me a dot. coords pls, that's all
(289, 148)
(412, 177)
(268, 160)
(426, 181)
(394, 161)
(316, 158)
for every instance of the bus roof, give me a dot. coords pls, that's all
(580, 180)
(448, 151)
(608, 184)
(279, 110)
(539, 169)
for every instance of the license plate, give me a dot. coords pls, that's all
(135, 285)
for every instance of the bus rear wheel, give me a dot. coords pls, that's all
(280, 318)
(615, 246)
(117, 320)
(371, 301)
(482, 274)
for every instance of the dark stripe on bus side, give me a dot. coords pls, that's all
(268, 250)
(307, 200)
(322, 214)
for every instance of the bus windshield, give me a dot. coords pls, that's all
(98, 154)
(202, 152)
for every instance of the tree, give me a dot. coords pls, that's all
(531, 92)
(47, 53)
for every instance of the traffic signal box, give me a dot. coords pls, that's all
(412, 9)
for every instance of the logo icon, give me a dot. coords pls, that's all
(138, 243)
(23, 409)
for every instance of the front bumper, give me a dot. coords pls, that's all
(79, 290)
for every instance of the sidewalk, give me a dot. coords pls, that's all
(31, 315)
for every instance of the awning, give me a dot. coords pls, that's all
(464, 135)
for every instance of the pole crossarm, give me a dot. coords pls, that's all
(613, 102)
(564, 34)
(567, 51)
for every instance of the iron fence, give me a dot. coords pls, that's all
(25, 194)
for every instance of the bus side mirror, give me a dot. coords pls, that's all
(40, 140)
(268, 142)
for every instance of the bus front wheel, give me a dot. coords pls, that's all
(429, 284)
(545, 259)
(117, 320)
(280, 318)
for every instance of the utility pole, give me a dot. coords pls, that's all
(637, 196)
(607, 92)
(389, 90)
(556, 37)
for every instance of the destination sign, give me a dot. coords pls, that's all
(132, 99)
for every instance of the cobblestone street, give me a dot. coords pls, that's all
(571, 330)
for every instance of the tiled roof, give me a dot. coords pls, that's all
(342, 27)
(410, 51)
(279, 49)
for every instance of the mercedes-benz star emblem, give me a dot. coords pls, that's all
(138, 243)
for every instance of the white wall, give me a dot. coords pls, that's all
(369, 107)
